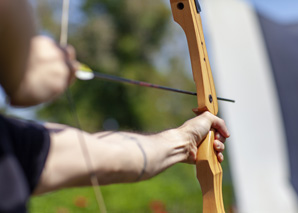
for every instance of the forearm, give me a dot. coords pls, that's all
(116, 157)
(141, 157)
(119, 157)
(16, 30)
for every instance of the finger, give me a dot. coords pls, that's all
(73, 63)
(218, 146)
(220, 125)
(71, 52)
(219, 137)
(220, 157)
(70, 60)
(217, 123)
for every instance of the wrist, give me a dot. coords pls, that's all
(177, 143)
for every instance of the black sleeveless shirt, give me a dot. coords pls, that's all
(24, 148)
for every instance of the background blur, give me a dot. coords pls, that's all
(139, 40)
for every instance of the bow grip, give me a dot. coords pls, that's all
(209, 174)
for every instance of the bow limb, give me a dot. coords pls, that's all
(209, 172)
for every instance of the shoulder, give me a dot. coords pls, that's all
(28, 143)
(23, 151)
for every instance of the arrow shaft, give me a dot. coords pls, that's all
(146, 84)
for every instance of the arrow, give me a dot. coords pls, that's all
(87, 74)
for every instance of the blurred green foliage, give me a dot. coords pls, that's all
(121, 38)
(176, 190)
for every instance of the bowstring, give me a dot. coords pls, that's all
(82, 141)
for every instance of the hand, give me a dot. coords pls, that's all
(197, 129)
(50, 70)
(219, 146)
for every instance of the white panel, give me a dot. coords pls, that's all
(242, 71)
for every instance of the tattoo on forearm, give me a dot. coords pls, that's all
(143, 153)
(145, 161)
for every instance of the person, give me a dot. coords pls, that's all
(36, 159)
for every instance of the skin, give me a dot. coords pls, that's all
(116, 157)
(34, 69)
(49, 72)
(16, 32)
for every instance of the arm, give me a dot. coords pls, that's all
(119, 157)
(49, 71)
(32, 69)
(16, 30)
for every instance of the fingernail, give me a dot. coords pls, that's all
(217, 135)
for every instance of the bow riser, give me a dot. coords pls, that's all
(209, 171)
(185, 13)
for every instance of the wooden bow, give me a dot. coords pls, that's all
(209, 172)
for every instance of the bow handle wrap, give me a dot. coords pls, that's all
(209, 172)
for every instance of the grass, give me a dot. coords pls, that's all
(175, 190)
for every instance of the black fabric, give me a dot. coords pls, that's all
(24, 148)
(282, 45)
